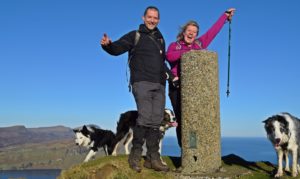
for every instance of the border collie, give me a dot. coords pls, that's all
(283, 131)
(93, 137)
(128, 120)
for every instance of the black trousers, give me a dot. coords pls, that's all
(150, 100)
(175, 98)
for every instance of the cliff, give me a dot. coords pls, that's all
(39, 148)
(17, 135)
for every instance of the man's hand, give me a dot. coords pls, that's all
(105, 40)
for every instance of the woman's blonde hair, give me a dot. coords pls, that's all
(183, 28)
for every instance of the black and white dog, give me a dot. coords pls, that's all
(283, 130)
(128, 120)
(93, 137)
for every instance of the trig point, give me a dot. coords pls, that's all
(201, 148)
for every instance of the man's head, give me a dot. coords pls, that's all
(151, 17)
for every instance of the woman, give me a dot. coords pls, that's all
(187, 40)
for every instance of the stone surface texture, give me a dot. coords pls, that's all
(201, 149)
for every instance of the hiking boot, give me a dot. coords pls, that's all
(147, 164)
(135, 165)
(153, 159)
(158, 166)
(136, 149)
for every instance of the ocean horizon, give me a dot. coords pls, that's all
(249, 148)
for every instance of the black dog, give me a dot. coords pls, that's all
(93, 137)
(128, 120)
(283, 130)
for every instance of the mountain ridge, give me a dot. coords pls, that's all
(19, 134)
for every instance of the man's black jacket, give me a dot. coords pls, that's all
(147, 57)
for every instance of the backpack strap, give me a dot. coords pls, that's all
(198, 43)
(178, 45)
(136, 38)
(159, 46)
(136, 41)
(131, 54)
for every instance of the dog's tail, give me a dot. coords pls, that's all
(122, 130)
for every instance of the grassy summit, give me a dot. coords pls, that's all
(117, 168)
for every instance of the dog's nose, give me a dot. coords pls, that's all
(277, 140)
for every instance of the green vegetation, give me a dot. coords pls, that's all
(117, 168)
(110, 167)
(64, 154)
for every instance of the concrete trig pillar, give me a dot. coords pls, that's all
(201, 148)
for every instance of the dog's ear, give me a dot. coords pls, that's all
(267, 124)
(265, 121)
(167, 116)
(85, 130)
(75, 130)
(268, 120)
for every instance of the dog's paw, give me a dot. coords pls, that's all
(294, 173)
(287, 169)
(279, 174)
(164, 163)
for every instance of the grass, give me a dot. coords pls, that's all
(110, 167)
(64, 154)
(117, 168)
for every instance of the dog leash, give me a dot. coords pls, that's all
(228, 70)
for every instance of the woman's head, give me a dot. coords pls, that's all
(188, 32)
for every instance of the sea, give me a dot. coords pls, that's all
(248, 148)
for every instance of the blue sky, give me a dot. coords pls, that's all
(54, 72)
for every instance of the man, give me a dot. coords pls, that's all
(148, 80)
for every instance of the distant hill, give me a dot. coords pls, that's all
(39, 148)
(17, 135)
